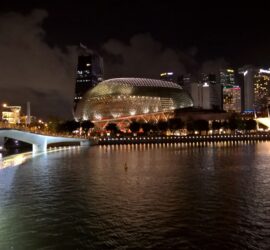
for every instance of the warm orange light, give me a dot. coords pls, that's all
(4, 105)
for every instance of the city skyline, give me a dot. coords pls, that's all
(39, 41)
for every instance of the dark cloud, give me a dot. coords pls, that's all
(213, 66)
(143, 56)
(31, 70)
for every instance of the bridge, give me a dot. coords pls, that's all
(39, 141)
(264, 121)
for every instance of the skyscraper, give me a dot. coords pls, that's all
(231, 92)
(206, 93)
(89, 72)
(232, 99)
(262, 89)
(227, 77)
(215, 90)
(256, 88)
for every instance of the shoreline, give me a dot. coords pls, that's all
(182, 139)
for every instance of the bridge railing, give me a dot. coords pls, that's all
(36, 130)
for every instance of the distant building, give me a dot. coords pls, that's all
(227, 77)
(167, 76)
(231, 92)
(206, 93)
(11, 114)
(122, 100)
(186, 82)
(256, 88)
(232, 99)
(89, 72)
(262, 89)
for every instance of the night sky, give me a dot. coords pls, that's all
(38, 42)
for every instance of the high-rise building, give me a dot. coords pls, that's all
(232, 98)
(231, 92)
(262, 89)
(202, 95)
(89, 72)
(227, 77)
(256, 88)
(215, 91)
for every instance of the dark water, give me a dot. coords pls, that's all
(170, 197)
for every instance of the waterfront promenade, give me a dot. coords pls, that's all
(183, 139)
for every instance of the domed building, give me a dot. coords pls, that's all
(125, 99)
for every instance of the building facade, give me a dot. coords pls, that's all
(89, 73)
(231, 91)
(232, 99)
(256, 88)
(11, 114)
(124, 99)
(206, 93)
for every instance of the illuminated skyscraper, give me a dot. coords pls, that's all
(89, 72)
(256, 88)
(262, 89)
(227, 77)
(232, 99)
(231, 92)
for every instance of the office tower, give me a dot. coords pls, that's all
(262, 89)
(256, 88)
(232, 99)
(89, 72)
(215, 91)
(227, 77)
(231, 92)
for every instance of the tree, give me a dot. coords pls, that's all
(175, 124)
(112, 127)
(201, 125)
(134, 126)
(216, 125)
(235, 122)
(146, 127)
(68, 126)
(53, 124)
(162, 126)
(86, 125)
(250, 124)
(190, 126)
(225, 125)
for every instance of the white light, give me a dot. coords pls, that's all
(245, 73)
(146, 110)
(264, 71)
(205, 85)
(98, 116)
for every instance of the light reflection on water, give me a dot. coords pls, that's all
(171, 196)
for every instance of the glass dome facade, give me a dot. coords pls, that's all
(126, 97)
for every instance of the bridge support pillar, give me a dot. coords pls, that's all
(2, 143)
(38, 148)
(85, 143)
